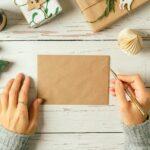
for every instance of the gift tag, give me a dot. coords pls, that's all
(35, 4)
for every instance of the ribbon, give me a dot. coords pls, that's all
(91, 5)
(110, 6)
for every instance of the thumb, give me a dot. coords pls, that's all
(34, 114)
(120, 92)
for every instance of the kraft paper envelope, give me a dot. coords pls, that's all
(73, 79)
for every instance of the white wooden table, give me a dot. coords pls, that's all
(73, 127)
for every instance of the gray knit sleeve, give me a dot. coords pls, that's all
(137, 137)
(12, 141)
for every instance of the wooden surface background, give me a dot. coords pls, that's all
(73, 127)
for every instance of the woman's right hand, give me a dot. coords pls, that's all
(130, 114)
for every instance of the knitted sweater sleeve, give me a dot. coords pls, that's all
(137, 137)
(12, 141)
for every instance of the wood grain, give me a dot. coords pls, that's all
(52, 118)
(23, 56)
(77, 142)
(73, 127)
(70, 25)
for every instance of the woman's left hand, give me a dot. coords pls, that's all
(14, 113)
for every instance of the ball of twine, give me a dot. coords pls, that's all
(3, 20)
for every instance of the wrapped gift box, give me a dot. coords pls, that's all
(93, 11)
(37, 12)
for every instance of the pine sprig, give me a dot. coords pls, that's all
(110, 6)
(3, 65)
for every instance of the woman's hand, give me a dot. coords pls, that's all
(14, 113)
(130, 114)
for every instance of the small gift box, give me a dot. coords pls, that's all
(37, 12)
(101, 13)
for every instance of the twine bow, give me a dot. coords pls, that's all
(35, 4)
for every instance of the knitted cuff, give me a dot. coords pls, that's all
(138, 134)
(12, 141)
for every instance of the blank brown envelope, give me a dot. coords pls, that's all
(73, 79)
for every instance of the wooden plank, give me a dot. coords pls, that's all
(23, 56)
(79, 119)
(73, 118)
(70, 25)
(77, 142)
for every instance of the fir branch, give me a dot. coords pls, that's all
(110, 6)
(3, 65)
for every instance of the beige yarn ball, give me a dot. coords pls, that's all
(3, 20)
(130, 41)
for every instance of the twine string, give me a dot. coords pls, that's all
(103, 14)
(98, 1)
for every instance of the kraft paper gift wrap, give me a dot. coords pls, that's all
(39, 15)
(73, 79)
(93, 9)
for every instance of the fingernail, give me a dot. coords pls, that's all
(40, 100)
(118, 82)
(28, 77)
(20, 75)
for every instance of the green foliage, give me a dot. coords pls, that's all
(34, 15)
(57, 11)
(3, 65)
(46, 10)
(50, 15)
(110, 6)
